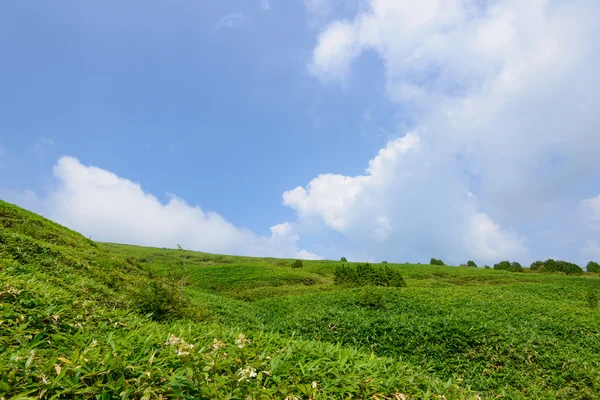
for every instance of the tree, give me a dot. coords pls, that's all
(508, 266)
(593, 266)
(472, 264)
(297, 264)
(343, 259)
(551, 265)
(537, 266)
(434, 261)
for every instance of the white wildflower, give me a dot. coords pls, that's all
(183, 348)
(241, 341)
(246, 373)
(217, 344)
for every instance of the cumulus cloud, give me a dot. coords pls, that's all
(405, 207)
(504, 96)
(109, 208)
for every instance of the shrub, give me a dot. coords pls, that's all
(158, 300)
(297, 264)
(508, 266)
(344, 274)
(384, 262)
(471, 264)
(486, 267)
(367, 274)
(551, 265)
(343, 259)
(536, 265)
(593, 266)
(436, 262)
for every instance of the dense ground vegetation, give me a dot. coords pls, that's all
(93, 320)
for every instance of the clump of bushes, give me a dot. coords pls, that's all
(486, 267)
(551, 265)
(471, 264)
(367, 274)
(509, 266)
(384, 262)
(343, 259)
(297, 264)
(435, 261)
(593, 267)
(160, 301)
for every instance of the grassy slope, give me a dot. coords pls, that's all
(522, 334)
(71, 325)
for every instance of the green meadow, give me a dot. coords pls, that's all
(80, 319)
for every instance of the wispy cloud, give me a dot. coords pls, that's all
(230, 21)
(41, 145)
(265, 5)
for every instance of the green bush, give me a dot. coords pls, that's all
(297, 264)
(551, 265)
(486, 267)
(159, 301)
(536, 265)
(471, 264)
(384, 262)
(367, 274)
(343, 259)
(508, 266)
(435, 261)
(593, 266)
(370, 297)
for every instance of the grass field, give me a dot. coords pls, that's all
(94, 320)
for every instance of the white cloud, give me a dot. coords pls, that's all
(106, 207)
(336, 50)
(407, 206)
(265, 5)
(503, 92)
(591, 209)
(307, 255)
(229, 21)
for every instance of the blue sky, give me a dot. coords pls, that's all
(270, 114)
(151, 92)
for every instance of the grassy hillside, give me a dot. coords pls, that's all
(85, 319)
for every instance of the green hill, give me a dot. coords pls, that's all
(80, 319)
